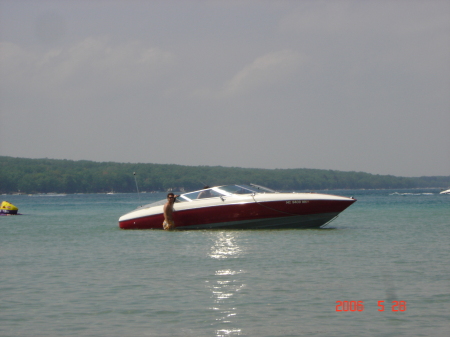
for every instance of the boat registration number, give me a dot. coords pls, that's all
(297, 201)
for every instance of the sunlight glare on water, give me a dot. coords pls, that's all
(226, 283)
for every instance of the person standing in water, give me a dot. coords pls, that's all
(168, 223)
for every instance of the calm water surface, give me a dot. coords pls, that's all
(66, 269)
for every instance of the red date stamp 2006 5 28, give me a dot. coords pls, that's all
(359, 306)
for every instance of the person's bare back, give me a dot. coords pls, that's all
(168, 223)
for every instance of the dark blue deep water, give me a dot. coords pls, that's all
(66, 269)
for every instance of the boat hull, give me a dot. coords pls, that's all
(244, 214)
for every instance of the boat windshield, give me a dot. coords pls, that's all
(238, 189)
(222, 191)
(246, 189)
(202, 194)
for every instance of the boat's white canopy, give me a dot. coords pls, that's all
(220, 191)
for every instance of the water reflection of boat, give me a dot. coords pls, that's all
(241, 207)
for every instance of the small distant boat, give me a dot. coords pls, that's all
(48, 195)
(445, 192)
(6, 208)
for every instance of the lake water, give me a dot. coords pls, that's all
(66, 269)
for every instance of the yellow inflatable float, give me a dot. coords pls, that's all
(6, 208)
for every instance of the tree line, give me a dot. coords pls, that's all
(69, 176)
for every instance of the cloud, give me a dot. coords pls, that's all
(264, 71)
(78, 70)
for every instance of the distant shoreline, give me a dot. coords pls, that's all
(155, 192)
(60, 176)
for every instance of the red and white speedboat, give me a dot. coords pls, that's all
(241, 207)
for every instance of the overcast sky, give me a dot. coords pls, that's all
(340, 85)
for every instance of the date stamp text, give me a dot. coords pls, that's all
(345, 306)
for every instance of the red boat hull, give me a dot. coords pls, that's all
(274, 214)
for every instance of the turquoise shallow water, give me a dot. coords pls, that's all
(66, 269)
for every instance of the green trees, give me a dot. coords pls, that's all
(67, 176)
